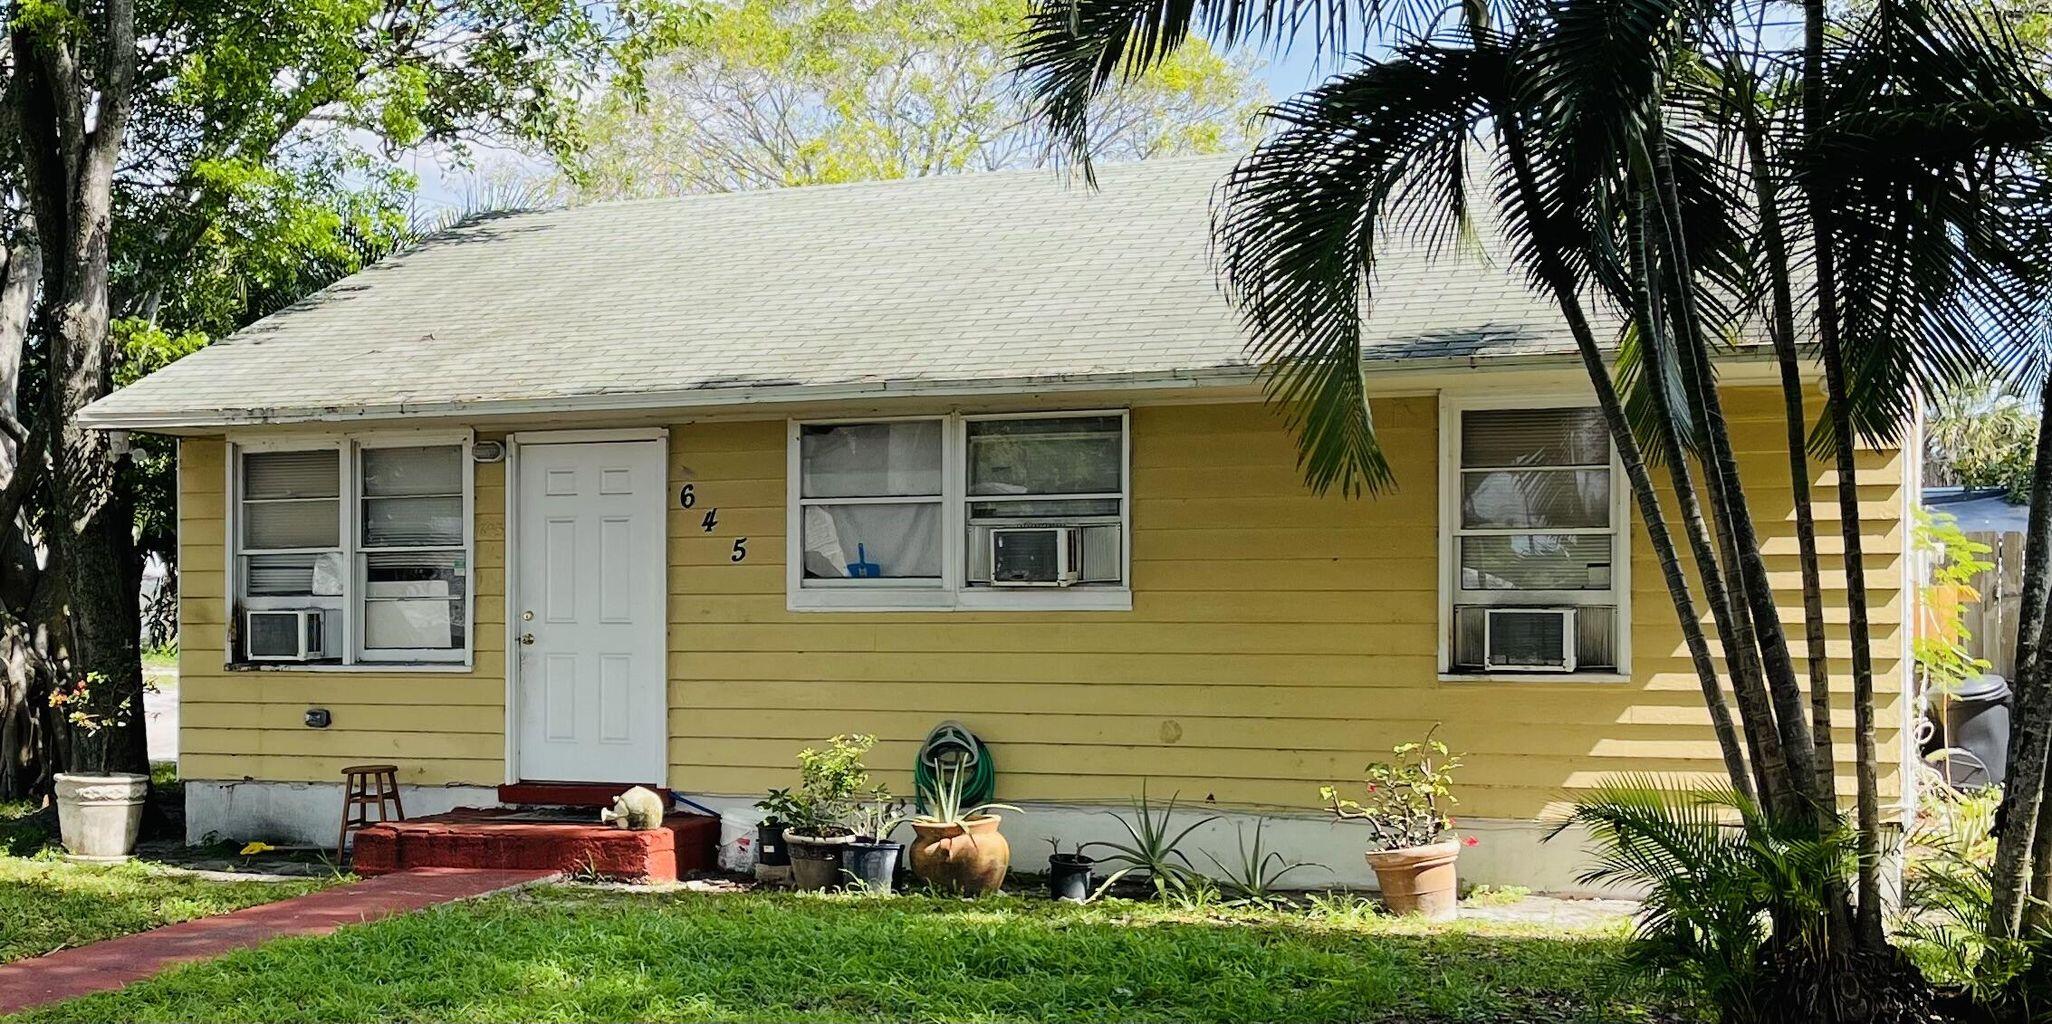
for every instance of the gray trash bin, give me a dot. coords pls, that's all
(1977, 730)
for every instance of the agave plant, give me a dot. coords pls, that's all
(1154, 847)
(1253, 876)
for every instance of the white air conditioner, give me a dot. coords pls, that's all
(296, 634)
(1036, 556)
(1529, 639)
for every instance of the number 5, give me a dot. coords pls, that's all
(740, 549)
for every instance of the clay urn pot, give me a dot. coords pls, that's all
(1418, 879)
(968, 857)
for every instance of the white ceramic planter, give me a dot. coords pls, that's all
(98, 815)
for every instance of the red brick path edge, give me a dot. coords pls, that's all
(114, 963)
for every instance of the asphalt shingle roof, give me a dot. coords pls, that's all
(967, 282)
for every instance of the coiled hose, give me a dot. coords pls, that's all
(950, 745)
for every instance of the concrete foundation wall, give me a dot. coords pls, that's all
(1505, 853)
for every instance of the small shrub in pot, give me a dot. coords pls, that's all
(829, 784)
(871, 861)
(1411, 842)
(99, 812)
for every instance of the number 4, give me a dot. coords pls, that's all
(712, 519)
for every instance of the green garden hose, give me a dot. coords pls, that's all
(951, 744)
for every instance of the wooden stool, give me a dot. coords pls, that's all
(365, 785)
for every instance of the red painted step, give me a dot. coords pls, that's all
(497, 838)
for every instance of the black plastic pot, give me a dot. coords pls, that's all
(770, 850)
(1069, 877)
(871, 866)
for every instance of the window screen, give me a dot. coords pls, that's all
(1535, 529)
(415, 573)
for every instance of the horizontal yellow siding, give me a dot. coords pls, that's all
(437, 727)
(1277, 641)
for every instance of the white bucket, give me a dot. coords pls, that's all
(737, 841)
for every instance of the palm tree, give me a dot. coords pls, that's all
(1667, 165)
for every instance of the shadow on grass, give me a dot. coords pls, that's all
(572, 955)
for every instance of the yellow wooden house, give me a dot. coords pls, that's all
(661, 492)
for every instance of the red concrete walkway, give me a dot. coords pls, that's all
(114, 963)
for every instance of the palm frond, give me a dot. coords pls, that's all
(1383, 148)
(1071, 50)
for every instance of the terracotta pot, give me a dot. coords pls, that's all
(970, 858)
(1418, 879)
(98, 815)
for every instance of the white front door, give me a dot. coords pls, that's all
(589, 612)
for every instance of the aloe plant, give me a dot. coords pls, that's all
(1153, 850)
(1257, 871)
(944, 801)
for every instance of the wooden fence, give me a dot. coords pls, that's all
(1992, 619)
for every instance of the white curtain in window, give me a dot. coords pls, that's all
(888, 541)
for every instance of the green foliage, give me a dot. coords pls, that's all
(1405, 798)
(564, 953)
(95, 712)
(944, 798)
(875, 816)
(1942, 650)
(1947, 895)
(1980, 435)
(769, 93)
(1495, 895)
(1257, 871)
(1716, 874)
(830, 783)
(50, 904)
(1153, 849)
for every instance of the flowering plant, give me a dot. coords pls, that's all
(96, 716)
(1407, 796)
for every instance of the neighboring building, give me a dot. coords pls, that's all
(758, 452)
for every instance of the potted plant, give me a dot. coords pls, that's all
(1069, 874)
(956, 848)
(1411, 843)
(772, 853)
(815, 819)
(871, 861)
(98, 811)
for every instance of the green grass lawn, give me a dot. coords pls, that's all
(47, 904)
(575, 954)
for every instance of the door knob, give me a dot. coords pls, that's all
(527, 639)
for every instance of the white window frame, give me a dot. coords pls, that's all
(951, 591)
(1451, 406)
(349, 448)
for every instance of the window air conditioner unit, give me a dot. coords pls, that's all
(296, 634)
(1529, 639)
(1036, 556)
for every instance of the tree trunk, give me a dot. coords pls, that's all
(1867, 797)
(1561, 284)
(68, 159)
(1781, 329)
(2030, 731)
(1770, 770)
